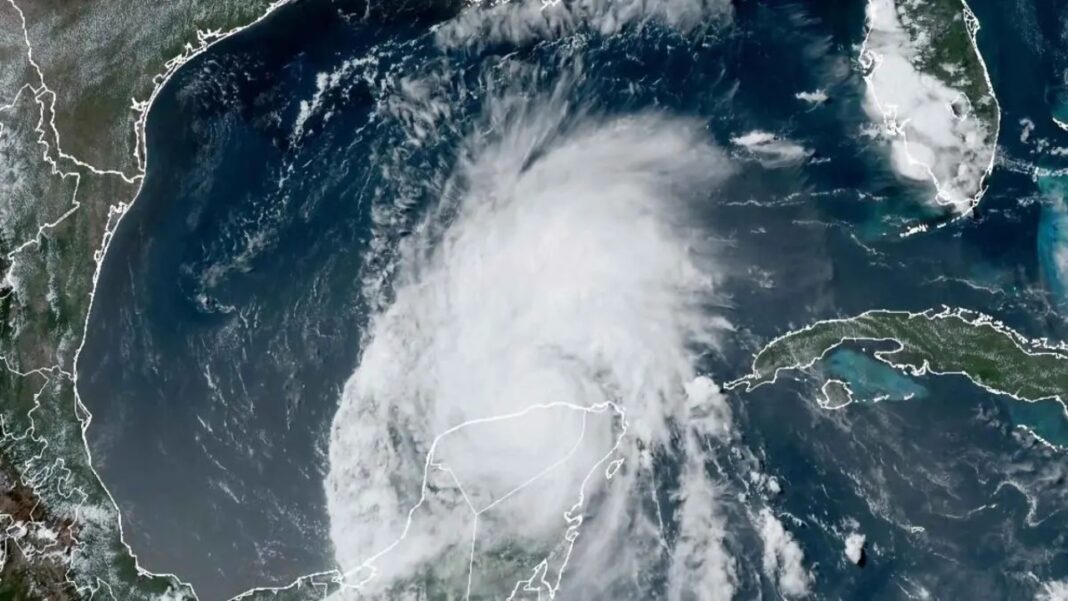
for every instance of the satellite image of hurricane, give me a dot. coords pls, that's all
(533, 300)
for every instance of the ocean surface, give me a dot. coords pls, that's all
(287, 162)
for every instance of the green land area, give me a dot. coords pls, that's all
(948, 29)
(950, 341)
(75, 78)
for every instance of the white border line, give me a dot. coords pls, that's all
(205, 40)
(870, 61)
(1030, 347)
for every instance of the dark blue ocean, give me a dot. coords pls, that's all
(232, 304)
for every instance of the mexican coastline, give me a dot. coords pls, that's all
(236, 295)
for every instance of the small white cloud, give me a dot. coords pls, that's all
(1027, 126)
(770, 149)
(763, 481)
(854, 547)
(814, 98)
(174, 594)
(783, 557)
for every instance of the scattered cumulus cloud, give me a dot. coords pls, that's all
(783, 557)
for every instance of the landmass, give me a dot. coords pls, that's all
(940, 342)
(76, 83)
(929, 91)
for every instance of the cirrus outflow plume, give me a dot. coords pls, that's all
(542, 337)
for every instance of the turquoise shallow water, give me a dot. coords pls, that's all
(1047, 419)
(1053, 234)
(871, 379)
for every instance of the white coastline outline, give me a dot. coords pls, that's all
(824, 399)
(573, 521)
(205, 40)
(1029, 346)
(870, 60)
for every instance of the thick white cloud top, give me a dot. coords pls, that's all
(545, 325)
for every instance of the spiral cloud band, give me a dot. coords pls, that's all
(542, 337)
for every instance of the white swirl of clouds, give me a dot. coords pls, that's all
(543, 333)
